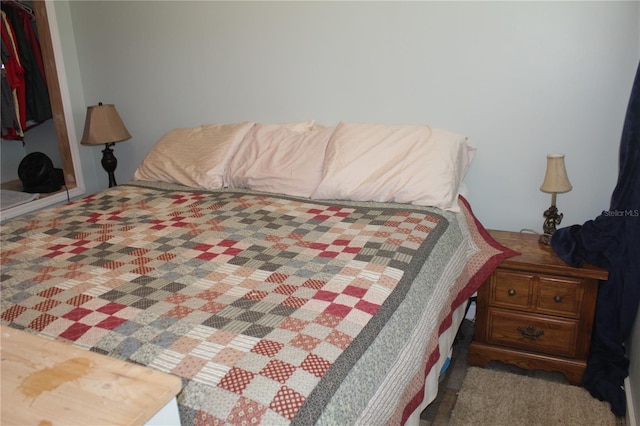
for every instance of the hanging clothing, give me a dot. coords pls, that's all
(15, 78)
(25, 71)
(37, 94)
(612, 241)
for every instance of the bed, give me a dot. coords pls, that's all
(276, 301)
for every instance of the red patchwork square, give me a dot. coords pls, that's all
(329, 254)
(138, 251)
(294, 302)
(205, 419)
(315, 365)
(277, 370)
(142, 270)
(285, 289)
(46, 305)
(424, 228)
(293, 324)
(354, 291)
(176, 298)
(415, 239)
(208, 295)
(246, 412)
(77, 314)
(111, 308)
(42, 278)
(212, 307)
(287, 402)
(110, 323)
(75, 331)
(13, 312)
(368, 307)
(42, 321)
(315, 284)
(227, 243)
(113, 265)
(328, 320)
(79, 300)
(50, 292)
(338, 310)
(166, 257)
(256, 295)
(141, 260)
(267, 348)
(339, 339)
(306, 342)
(277, 278)
(327, 296)
(179, 312)
(236, 380)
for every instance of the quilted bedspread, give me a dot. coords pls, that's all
(272, 309)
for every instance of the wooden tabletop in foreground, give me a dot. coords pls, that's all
(47, 382)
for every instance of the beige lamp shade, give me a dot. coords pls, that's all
(556, 179)
(103, 126)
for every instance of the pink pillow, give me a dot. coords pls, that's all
(276, 158)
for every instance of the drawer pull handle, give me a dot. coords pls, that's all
(530, 332)
(557, 299)
(511, 292)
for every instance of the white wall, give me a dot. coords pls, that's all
(521, 79)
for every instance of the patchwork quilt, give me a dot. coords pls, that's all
(272, 309)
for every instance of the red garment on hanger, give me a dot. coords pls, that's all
(15, 77)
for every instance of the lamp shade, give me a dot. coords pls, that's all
(103, 126)
(556, 179)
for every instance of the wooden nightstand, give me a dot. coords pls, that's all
(536, 311)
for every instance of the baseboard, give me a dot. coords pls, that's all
(631, 414)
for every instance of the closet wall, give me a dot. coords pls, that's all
(40, 138)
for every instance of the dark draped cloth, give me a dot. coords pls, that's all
(612, 241)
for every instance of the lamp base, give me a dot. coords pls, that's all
(545, 239)
(552, 218)
(109, 163)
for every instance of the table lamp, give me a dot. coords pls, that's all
(555, 181)
(104, 126)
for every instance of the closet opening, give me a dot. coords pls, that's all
(52, 135)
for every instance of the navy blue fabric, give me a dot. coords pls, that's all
(612, 241)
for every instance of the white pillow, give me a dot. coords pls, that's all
(195, 157)
(279, 159)
(421, 165)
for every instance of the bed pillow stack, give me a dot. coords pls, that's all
(414, 164)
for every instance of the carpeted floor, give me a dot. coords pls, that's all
(439, 412)
(500, 398)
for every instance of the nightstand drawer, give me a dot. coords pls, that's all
(560, 296)
(534, 333)
(512, 289)
(536, 293)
